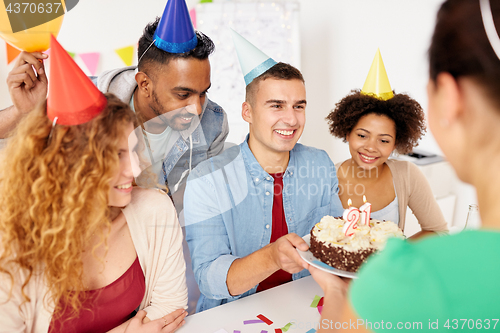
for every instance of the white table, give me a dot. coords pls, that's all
(289, 302)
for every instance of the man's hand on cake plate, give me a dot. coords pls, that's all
(285, 253)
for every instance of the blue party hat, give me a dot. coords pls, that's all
(175, 32)
(253, 61)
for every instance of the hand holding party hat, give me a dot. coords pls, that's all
(253, 61)
(377, 83)
(73, 98)
(175, 32)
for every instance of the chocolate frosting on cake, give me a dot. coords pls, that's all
(337, 257)
(330, 245)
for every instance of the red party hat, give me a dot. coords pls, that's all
(73, 98)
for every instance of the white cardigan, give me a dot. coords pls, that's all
(157, 238)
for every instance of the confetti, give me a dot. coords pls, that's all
(315, 301)
(286, 327)
(264, 319)
(255, 321)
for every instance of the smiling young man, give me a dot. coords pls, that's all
(167, 90)
(247, 209)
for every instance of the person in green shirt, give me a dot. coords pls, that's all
(452, 282)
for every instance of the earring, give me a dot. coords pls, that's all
(444, 123)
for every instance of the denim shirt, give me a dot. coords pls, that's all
(207, 139)
(228, 210)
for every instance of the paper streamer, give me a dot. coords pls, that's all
(264, 319)
(192, 13)
(235, 331)
(315, 301)
(263, 331)
(320, 303)
(277, 330)
(91, 60)
(312, 330)
(126, 54)
(12, 53)
(254, 321)
(286, 327)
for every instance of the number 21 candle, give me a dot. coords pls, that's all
(365, 210)
(351, 217)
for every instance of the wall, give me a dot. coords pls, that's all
(338, 42)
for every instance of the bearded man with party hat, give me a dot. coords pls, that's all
(247, 209)
(168, 91)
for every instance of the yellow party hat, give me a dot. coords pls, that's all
(377, 83)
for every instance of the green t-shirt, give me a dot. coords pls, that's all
(439, 284)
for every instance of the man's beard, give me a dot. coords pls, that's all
(167, 118)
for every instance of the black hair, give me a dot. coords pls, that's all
(155, 56)
(461, 47)
(406, 113)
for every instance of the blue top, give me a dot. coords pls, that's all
(388, 213)
(228, 210)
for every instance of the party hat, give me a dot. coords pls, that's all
(73, 98)
(377, 83)
(175, 32)
(253, 61)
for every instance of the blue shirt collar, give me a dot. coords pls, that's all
(255, 169)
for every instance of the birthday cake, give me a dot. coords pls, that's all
(330, 244)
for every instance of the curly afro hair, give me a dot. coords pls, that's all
(406, 113)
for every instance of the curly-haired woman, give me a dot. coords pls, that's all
(374, 128)
(80, 248)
